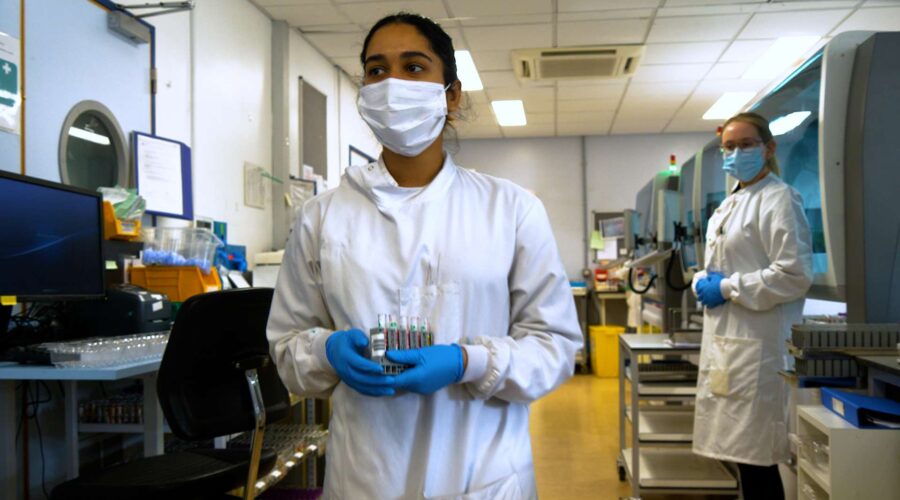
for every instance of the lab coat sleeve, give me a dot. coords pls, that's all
(538, 354)
(787, 243)
(299, 323)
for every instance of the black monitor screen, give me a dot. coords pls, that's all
(50, 240)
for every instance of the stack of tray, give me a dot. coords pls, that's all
(827, 350)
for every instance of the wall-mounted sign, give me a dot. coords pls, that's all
(10, 84)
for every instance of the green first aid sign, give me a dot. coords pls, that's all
(9, 83)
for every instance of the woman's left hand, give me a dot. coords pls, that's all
(433, 367)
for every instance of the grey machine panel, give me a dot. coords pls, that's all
(872, 177)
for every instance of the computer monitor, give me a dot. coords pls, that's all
(51, 239)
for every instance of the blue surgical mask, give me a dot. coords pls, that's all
(744, 164)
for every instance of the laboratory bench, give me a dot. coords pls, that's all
(10, 373)
(291, 441)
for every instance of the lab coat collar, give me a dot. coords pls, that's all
(376, 182)
(771, 177)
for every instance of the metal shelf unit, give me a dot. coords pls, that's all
(659, 459)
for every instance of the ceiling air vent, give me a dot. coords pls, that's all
(536, 65)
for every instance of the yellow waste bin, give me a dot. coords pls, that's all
(605, 350)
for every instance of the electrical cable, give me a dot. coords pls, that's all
(634, 288)
(669, 266)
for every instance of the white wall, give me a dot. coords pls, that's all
(214, 74)
(617, 166)
(345, 127)
(549, 167)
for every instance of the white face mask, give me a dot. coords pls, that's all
(406, 116)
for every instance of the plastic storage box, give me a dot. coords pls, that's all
(171, 246)
(118, 229)
(177, 282)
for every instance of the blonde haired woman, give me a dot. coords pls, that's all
(758, 270)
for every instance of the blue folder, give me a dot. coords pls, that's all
(862, 411)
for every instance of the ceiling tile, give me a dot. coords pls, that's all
(506, 20)
(497, 79)
(601, 32)
(587, 5)
(692, 125)
(706, 10)
(492, 60)
(683, 3)
(670, 72)
(601, 15)
(479, 8)
(530, 130)
(585, 117)
(540, 118)
(350, 65)
(746, 50)
(808, 5)
(872, 19)
(599, 91)
(524, 93)
(728, 70)
(647, 111)
(508, 37)
(637, 126)
(587, 105)
(476, 96)
(781, 24)
(674, 53)
(696, 29)
(337, 44)
(369, 12)
(308, 15)
(576, 129)
(716, 88)
(267, 3)
(534, 105)
(660, 92)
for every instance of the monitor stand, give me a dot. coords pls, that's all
(5, 315)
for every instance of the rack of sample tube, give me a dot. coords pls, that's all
(393, 334)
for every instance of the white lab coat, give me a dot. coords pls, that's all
(759, 238)
(476, 256)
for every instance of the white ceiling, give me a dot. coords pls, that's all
(696, 51)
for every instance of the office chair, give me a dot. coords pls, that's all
(216, 378)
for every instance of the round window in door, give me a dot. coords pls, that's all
(92, 148)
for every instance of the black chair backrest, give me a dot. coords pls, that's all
(200, 391)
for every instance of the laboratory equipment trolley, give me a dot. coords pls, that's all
(659, 407)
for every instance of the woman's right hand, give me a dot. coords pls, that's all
(345, 350)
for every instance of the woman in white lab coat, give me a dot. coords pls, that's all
(413, 234)
(758, 270)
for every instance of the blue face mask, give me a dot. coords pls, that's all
(744, 164)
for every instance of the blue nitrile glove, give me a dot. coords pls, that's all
(345, 350)
(432, 368)
(709, 291)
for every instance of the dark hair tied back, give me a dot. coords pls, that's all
(440, 41)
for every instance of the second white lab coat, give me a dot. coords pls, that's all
(476, 256)
(759, 239)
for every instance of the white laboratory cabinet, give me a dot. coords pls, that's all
(839, 461)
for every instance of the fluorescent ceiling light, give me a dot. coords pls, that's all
(783, 54)
(87, 135)
(509, 113)
(728, 105)
(788, 122)
(465, 68)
